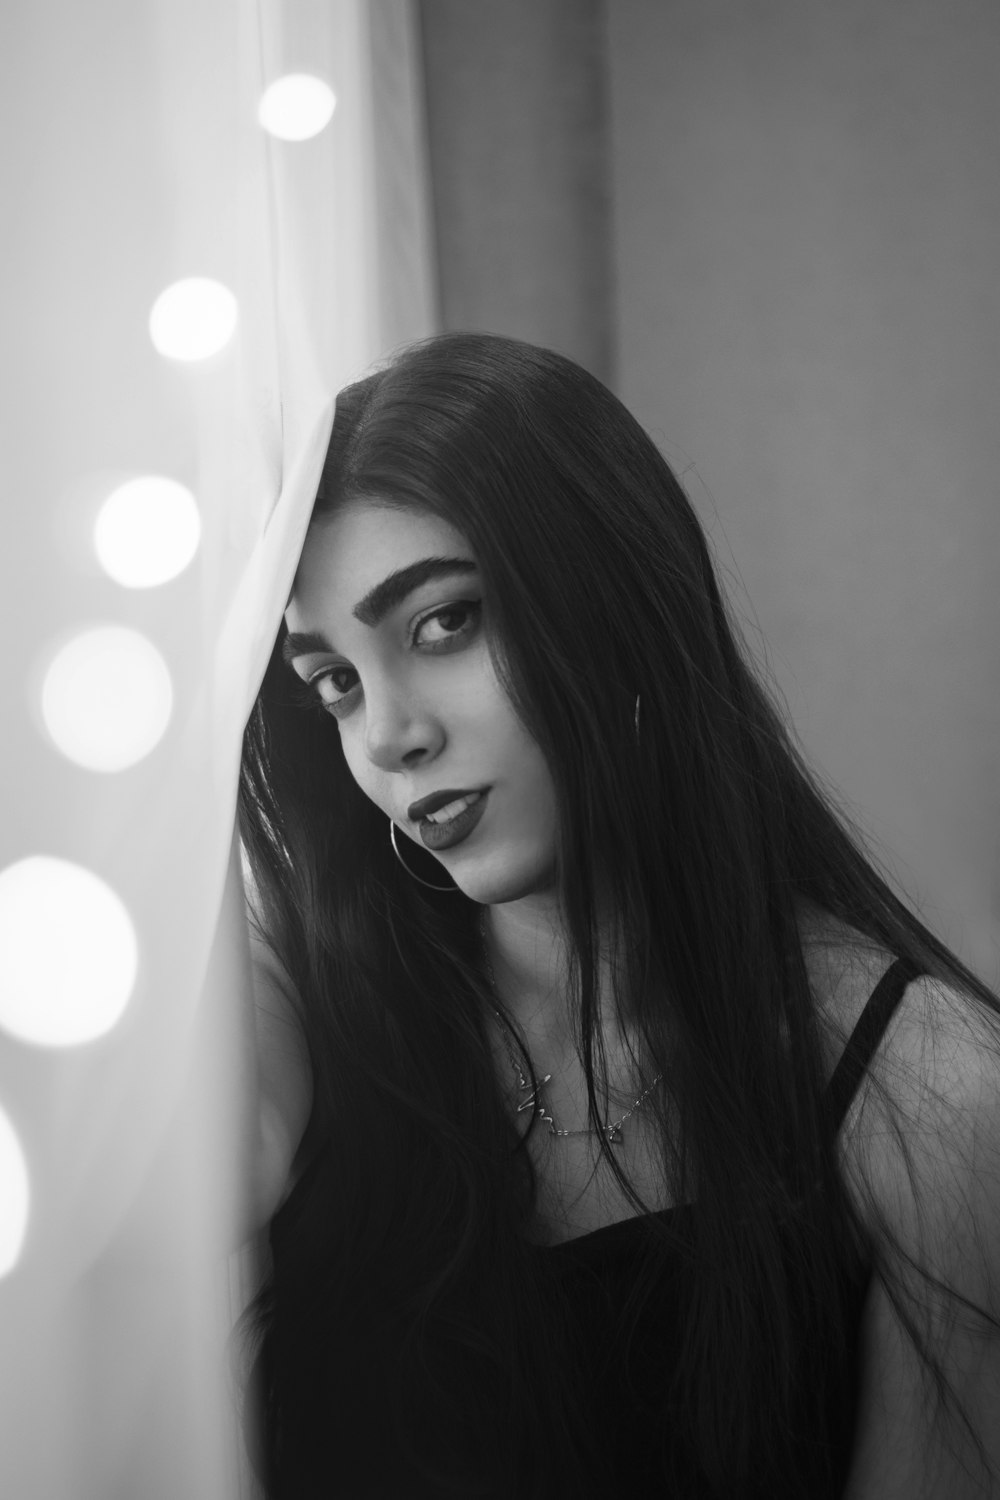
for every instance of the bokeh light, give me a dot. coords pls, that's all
(13, 1196)
(68, 953)
(296, 107)
(193, 319)
(107, 698)
(147, 531)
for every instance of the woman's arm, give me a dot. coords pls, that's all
(948, 1218)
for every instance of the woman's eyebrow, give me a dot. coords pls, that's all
(380, 601)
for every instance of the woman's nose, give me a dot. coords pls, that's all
(398, 731)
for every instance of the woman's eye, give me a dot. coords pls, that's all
(329, 688)
(453, 623)
(461, 611)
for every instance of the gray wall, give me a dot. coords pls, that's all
(806, 231)
(518, 144)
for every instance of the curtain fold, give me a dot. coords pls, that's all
(133, 160)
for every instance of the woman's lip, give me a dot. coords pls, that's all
(445, 835)
(437, 800)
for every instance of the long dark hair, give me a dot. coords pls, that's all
(403, 1308)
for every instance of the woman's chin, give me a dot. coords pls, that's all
(493, 886)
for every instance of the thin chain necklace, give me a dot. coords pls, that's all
(525, 1086)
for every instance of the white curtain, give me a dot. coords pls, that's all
(133, 159)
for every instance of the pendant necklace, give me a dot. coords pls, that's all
(613, 1133)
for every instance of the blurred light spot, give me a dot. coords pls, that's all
(296, 107)
(107, 698)
(147, 531)
(68, 953)
(13, 1196)
(193, 319)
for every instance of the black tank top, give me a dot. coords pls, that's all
(599, 1267)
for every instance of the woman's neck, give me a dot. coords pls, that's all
(527, 947)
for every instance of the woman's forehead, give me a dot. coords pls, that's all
(367, 523)
(348, 553)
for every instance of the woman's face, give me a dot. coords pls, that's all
(392, 641)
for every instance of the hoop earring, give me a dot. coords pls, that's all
(402, 861)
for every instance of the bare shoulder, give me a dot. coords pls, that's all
(939, 1042)
(844, 967)
(929, 1107)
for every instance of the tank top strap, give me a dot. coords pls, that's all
(866, 1036)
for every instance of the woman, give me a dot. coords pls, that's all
(594, 1197)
